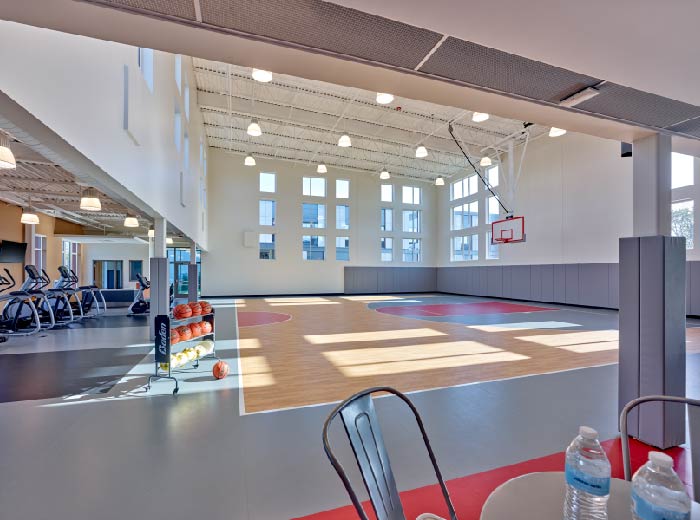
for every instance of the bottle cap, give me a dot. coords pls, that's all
(587, 432)
(660, 459)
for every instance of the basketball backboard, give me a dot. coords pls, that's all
(508, 230)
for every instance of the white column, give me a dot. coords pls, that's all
(160, 226)
(160, 287)
(651, 167)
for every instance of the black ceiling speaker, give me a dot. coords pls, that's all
(625, 149)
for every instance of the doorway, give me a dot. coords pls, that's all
(107, 274)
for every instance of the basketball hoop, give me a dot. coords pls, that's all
(508, 230)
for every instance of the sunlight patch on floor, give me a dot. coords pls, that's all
(377, 335)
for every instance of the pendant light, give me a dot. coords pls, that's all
(263, 76)
(29, 217)
(421, 152)
(321, 168)
(131, 222)
(249, 160)
(254, 129)
(151, 232)
(169, 241)
(344, 141)
(90, 201)
(439, 181)
(479, 117)
(7, 158)
(385, 175)
(384, 99)
(556, 132)
(485, 161)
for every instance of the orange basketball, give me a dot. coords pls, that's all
(185, 333)
(174, 337)
(196, 329)
(206, 327)
(196, 308)
(220, 369)
(182, 311)
(206, 307)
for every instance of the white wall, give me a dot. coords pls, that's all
(75, 85)
(228, 268)
(123, 252)
(575, 193)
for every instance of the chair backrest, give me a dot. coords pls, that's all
(362, 428)
(693, 406)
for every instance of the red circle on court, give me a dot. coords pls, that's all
(254, 318)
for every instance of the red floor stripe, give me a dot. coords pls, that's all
(251, 319)
(469, 493)
(459, 309)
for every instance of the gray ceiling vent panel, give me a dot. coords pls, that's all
(498, 70)
(691, 127)
(178, 8)
(325, 26)
(640, 107)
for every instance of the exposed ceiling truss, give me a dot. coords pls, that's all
(302, 120)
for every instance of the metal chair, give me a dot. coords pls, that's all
(694, 421)
(362, 427)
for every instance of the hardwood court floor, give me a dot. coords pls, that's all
(334, 346)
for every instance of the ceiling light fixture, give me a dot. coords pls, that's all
(131, 221)
(421, 152)
(439, 181)
(384, 99)
(344, 141)
(263, 76)
(169, 241)
(249, 160)
(254, 128)
(90, 200)
(29, 217)
(151, 232)
(485, 161)
(556, 132)
(579, 97)
(7, 158)
(321, 168)
(479, 117)
(385, 175)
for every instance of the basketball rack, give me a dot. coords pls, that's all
(163, 323)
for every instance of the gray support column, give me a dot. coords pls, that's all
(192, 275)
(652, 301)
(160, 287)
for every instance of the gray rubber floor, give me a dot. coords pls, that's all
(103, 448)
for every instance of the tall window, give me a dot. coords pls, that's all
(145, 59)
(313, 247)
(411, 221)
(411, 250)
(465, 187)
(682, 170)
(313, 215)
(267, 212)
(267, 246)
(187, 101)
(387, 219)
(410, 195)
(267, 182)
(177, 129)
(342, 189)
(178, 72)
(314, 187)
(465, 215)
(342, 217)
(387, 193)
(492, 176)
(71, 255)
(682, 221)
(494, 209)
(491, 249)
(387, 247)
(40, 252)
(465, 248)
(342, 248)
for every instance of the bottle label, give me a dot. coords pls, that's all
(598, 486)
(645, 510)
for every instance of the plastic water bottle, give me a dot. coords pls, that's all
(587, 478)
(657, 492)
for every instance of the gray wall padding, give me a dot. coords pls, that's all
(592, 285)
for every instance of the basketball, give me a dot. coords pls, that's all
(206, 307)
(185, 333)
(182, 311)
(220, 369)
(196, 308)
(196, 329)
(206, 327)
(174, 337)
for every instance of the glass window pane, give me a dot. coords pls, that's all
(342, 248)
(267, 212)
(411, 249)
(682, 170)
(267, 182)
(387, 248)
(682, 221)
(342, 217)
(457, 190)
(387, 222)
(411, 221)
(387, 192)
(313, 215)
(473, 185)
(267, 246)
(494, 209)
(493, 176)
(491, 249)
(342, 189)
(313, 247)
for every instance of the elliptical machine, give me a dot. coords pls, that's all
(66, 284)
(19, 316)
(34, 286)
(140, 304)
